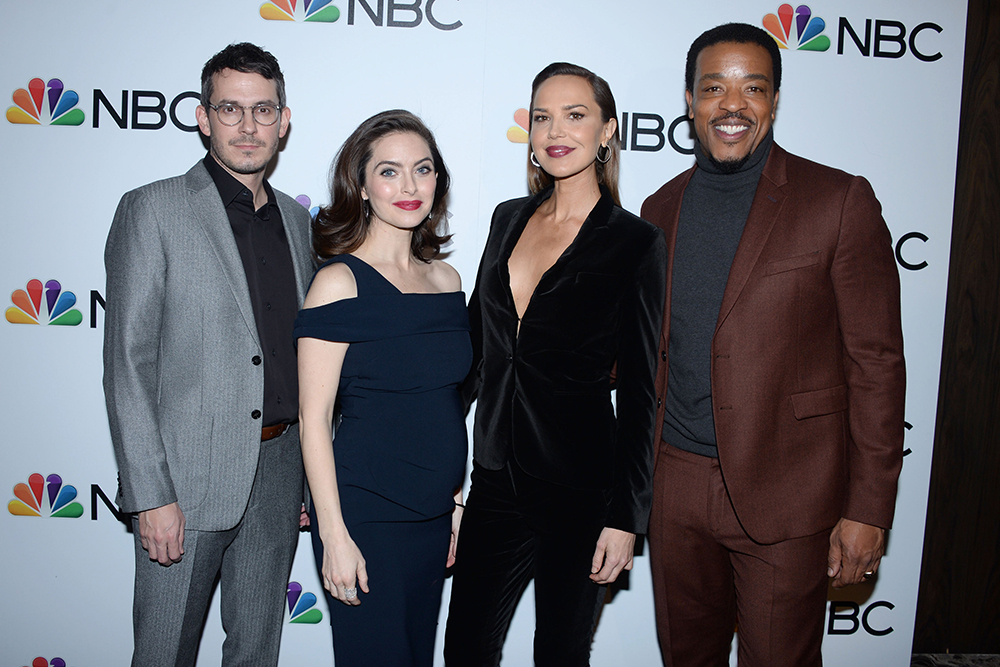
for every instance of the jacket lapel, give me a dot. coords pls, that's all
(510, 239)
(299, 252)
(590, 232)
(206, 207)
(593, 229)
(767, 203)
(670, 214)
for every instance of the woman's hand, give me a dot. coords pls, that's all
(456, 522)
(344, 570)
(613, 554)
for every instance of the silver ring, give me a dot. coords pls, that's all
(868, 575)
(351, 593)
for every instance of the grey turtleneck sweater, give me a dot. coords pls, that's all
(714, 211)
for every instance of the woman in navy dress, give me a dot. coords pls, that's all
(383, 341)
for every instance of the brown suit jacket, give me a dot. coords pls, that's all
(808, 379)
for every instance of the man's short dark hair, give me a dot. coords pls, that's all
(242, 57)
(738, 33)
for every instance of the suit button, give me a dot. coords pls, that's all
(659, 402)
(255, 414)
(663, 355)
(255, 360)
(510, 358)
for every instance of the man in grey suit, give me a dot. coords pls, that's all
(205, 274)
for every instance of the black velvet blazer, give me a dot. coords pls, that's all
(544, 394)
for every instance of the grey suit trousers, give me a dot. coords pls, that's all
(254, 559)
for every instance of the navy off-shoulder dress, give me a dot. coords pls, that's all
(400, 451)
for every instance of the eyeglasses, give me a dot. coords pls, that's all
(232, 114)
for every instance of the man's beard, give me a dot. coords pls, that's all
(244, 166)
(732, 165)
(728, 166)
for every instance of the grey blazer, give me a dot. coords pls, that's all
(183, 395)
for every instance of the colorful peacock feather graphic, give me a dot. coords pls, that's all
(518, 134)
(31, 107)
(46, 496)
(59, 310)
(301, 605)
(806, 36)
(307, 204)
(42, 662)
(313, 11)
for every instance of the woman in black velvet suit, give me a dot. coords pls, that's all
(567, 305)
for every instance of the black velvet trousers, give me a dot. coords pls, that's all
(516, 528)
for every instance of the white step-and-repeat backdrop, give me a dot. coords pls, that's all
(102, 98)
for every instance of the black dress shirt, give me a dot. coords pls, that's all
(267, 262)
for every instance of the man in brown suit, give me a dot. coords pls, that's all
(781, 381)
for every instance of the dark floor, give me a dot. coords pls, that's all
(945, 660)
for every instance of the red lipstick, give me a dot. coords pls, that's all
(558, 151)
(409, 205)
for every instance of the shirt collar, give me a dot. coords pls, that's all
(229, 188)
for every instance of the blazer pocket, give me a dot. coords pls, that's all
(792, 263)
(819, 402)
(187, 441)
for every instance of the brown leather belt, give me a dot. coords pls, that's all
(272, 432)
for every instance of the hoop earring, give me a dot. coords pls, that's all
(534, 160)
(607, 153)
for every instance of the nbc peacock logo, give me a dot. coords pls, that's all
(42, 662)
(311, 11)
(806, 36)
(307, 205)
(31, 107)
(58, 305)
(518, 134)
(46, 496)
(301, 606)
